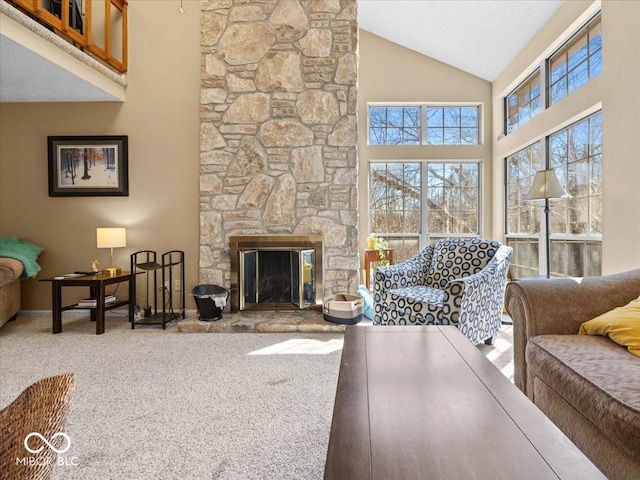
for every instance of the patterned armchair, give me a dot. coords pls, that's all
(457, 281)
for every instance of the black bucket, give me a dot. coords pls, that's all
(206, 296)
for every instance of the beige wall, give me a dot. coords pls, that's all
(615, 91)
(621, 141)
(391, 73)
(160, 117)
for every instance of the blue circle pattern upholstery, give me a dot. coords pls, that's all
(457, 281)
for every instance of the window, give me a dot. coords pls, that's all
(395, 206)
(395, 197)
(577, 62)
(394, 125)
(523, 218)
(523, 103)
(452, 198)
(576, 223)
(570, 67)
(575, 153)
(414, 203)
(452, 125)
(404, 125)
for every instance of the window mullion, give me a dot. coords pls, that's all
(542, 243)
(424, 211)
(423, 124)
(544, 85)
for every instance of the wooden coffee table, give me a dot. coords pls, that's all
(424, 403)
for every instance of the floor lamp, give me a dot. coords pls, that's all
(546, 186)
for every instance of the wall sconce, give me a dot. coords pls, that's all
(545, 186)
(111, 238)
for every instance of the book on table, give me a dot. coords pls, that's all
(93, 302)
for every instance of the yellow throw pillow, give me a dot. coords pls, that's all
(622, 325)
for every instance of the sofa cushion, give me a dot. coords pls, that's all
(622, 325)
(597, 377)
(459, 257)
(10, 270)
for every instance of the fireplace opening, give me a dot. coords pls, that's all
(276, 272)
(267, 277)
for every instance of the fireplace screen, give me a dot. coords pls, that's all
(276, 272)
(277, 277)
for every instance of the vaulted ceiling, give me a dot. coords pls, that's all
(478, 36)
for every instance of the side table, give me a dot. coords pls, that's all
(96, 284)
(373, 255)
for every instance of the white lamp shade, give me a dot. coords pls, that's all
(111, 237)
(546, 185)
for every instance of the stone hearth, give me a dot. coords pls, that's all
(302, 321)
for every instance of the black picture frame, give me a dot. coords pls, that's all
(88, 166)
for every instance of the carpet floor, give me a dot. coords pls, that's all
(151, 404)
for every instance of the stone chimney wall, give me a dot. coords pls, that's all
(278, 135)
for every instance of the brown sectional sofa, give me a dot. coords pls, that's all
(10, 271)
(587, 385)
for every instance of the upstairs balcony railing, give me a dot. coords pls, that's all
(95, 26)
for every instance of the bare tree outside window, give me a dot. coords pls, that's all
(523, 103)
(394, 125)
(451, 190)
(452, 125)
(403, 125)
(452, 198)
(576, 223)
(395, 197)
(575, 153)
(523, 218)
(577, 62)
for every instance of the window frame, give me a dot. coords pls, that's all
(423, 122)
(565, 238)
(386, 128)
(424, 236)
(525, 83)
(444, 127)
(564, 48)
(532, 238)
(544, 67)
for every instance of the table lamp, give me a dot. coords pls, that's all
(545, 186)
(111, 238)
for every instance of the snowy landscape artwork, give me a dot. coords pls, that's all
(88, 166)
(83, 166)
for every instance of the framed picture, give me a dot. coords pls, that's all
(88, 166)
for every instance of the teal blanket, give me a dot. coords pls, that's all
(26, 252)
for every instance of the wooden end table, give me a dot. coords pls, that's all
(96, 284)
(421, 402)
(373, 255)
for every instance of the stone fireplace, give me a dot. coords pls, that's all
(276, 272)
(278, 133)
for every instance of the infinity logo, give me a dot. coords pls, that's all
(48, 443)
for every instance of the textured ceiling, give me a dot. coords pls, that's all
(478, 36)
